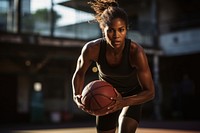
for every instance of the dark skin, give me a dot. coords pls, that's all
(115, 35)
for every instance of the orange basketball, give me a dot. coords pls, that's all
(96, 96)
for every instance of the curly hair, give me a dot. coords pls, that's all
(106, 11)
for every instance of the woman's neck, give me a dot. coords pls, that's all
(115, 51)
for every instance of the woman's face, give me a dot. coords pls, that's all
(115, 33)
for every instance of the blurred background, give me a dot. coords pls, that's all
(40, 41)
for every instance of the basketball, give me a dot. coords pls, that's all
(96, 96)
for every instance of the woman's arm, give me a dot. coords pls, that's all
(139, 60)
(88, 54)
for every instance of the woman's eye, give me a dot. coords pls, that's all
(121, 30)
(110, 30)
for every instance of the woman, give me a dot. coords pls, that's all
(122, 63)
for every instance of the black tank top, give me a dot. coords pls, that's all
(123, 76)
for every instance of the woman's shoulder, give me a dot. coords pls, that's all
(91, 48)
(137, 54)
(93, 44)
(136, 48)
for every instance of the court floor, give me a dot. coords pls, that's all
(92, 130)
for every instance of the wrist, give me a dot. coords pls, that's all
(77, 98)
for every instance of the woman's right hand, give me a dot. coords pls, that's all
(77, 99)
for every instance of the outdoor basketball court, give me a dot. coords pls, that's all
(92, 130)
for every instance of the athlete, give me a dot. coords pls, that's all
(122, 63)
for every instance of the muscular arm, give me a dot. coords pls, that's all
(88, 54)
(79, 75)
(139, 60)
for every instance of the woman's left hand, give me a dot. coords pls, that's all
(118, 103)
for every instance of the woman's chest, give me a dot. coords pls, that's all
(113, 60)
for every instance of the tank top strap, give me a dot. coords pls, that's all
(102, 50)
(120, 76)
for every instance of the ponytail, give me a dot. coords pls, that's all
(106, 10)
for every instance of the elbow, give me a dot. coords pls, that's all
(152, 94)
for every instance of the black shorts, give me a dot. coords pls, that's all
(110, 121)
